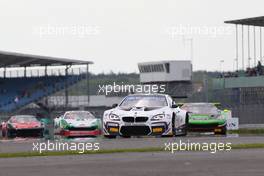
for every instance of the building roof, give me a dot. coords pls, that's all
(13, 59)
(164, 61)
(256, 21)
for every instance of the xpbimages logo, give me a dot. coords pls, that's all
(212, 147)
(80, 147)
(131, 88)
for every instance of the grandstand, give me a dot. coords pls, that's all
(243, 89)
(247, 82)
(26, 79)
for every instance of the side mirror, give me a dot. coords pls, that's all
(174, 106)
(114, 105)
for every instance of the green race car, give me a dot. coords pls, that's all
(206, 117)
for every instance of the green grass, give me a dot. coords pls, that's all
(247, 131)
(151, 149)
(61, 153)
(248, 146)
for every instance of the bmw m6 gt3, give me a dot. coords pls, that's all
(145, 114)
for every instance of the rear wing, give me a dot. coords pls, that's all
(177, 97)
(218, 105)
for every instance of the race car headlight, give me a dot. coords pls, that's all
(158, 117)
(114, 117)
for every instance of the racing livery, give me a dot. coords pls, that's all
(22, 125)
(77, 123)
(206, 117)
(145, 114)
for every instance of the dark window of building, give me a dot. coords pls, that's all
(167, 67)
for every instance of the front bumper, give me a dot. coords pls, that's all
(80, 133)
(137, 129)
(198, 126)
(27, 131)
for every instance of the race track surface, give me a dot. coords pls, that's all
(26, 144)
(234, 163)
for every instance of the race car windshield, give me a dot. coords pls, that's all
(144, 101)
(79, 115)
(23, 119)
(201, 108)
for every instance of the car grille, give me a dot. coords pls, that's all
(135, 119)
(202, 126)
(141, 119)
(82, 128)
(135, 130)
(129, 119)
(29, 132)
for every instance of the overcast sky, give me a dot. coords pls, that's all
(117, 34)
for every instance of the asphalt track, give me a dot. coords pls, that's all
(233, 163)
(26, 144)
(245, 162)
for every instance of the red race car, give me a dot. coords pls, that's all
(22, 125)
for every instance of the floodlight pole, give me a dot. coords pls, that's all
(87, 84)
(191, 40)
(66, 85)
(242, 38)
(191, 47)
(249, 47)
(255, 58)
(260, 44)
(236, 47)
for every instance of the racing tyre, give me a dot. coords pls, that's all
(185, 129)
(10, 134)
(173, 128)
(124, 136)
(223, 131)
(110, 136)
(3, 134)
(41, 134)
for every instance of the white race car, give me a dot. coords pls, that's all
(145, 114)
